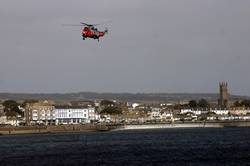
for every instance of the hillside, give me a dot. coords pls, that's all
(164, 97)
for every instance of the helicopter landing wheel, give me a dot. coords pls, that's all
(83, 38)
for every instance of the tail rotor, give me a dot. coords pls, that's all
(106, 30)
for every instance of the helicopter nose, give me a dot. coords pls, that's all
(83, 33)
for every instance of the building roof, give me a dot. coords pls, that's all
(70, 107)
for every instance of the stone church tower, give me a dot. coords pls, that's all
(223, 98)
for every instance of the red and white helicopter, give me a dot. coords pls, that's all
(90, 30)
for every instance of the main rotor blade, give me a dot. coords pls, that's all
(90, 25)
(72, 25)
(101, 23)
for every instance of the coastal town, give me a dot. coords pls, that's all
(49, 113)
(125, 83)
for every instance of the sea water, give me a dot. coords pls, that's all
(189, 146)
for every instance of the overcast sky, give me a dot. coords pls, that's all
(152, 46)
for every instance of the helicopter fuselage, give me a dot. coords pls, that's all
(91, 32)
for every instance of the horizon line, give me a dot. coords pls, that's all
(134, 93)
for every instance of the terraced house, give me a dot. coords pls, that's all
(1, 109)
(41, 112)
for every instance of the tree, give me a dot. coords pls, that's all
(192, 104)
(237, 104)
(211, 114)
(29, 101)
(203, 103)
(245, 103)
(11, 108)
(112, 110)
(107, 103)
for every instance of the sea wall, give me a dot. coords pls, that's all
(187, 125)
(106, 127)
(52, 129)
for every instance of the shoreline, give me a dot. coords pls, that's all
(44, 133)
(187, 125)
(104, 128)
(22, 130)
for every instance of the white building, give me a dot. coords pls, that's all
(91, 112)
(14, 120)
(134, 105)
(196, 112)
(74, 115)
(3, 119)
(167, 115)
(155, 115)
(220, 112)
(1, 110)
(184, 111)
